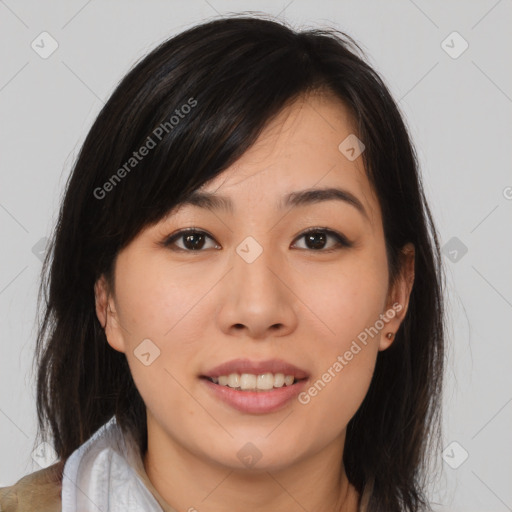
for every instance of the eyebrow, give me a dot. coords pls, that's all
(212, 201)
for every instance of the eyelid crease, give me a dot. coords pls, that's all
(342, 240)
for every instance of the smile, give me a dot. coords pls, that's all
(252, 382)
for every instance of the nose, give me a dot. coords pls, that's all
(257, 298)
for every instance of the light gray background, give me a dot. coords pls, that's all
(459, 114)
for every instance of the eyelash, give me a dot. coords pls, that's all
(342, 241)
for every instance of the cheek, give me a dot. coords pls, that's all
(350, 302)
(163, 301)
(346, 297)
(155, 308)
(154, 296)
(343, 372)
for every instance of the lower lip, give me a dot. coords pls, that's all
(256, 402)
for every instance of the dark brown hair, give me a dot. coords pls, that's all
(240, 72)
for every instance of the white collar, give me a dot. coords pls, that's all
(105, 474)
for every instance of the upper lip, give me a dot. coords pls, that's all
(257, 368)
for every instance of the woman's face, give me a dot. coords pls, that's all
(251, 293)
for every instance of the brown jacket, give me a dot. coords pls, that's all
(38, 491)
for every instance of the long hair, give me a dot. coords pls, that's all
(234, 75)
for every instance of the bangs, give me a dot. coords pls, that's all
(189, 122)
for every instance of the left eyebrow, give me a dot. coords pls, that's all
(212, 201)
(318, 195)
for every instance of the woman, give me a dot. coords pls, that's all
(244, 305)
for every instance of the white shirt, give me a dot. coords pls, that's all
(106, 474)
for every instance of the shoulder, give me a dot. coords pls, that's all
(39, 491)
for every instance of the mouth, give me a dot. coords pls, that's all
(248, 375)
(252, 382)
(255, 387)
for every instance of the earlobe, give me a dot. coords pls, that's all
(395, 316)
(399, 297)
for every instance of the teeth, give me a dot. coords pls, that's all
(234, 380)
(288, 380)
(247, 381)
(251, 382)
(265, 381)
(278, 380)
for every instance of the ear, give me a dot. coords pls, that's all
(398, 297)
(107, 316)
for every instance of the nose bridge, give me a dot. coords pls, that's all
(257, 300)
(252, 260)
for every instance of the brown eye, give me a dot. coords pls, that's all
(190, 239)
(317, 238)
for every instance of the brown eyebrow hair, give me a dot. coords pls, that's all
(212, 201)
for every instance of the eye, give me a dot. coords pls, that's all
(315, 239)
(193, 240)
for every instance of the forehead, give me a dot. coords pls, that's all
(298, 149)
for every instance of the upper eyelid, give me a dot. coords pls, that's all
(172, 238)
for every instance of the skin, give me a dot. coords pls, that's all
(204, 308)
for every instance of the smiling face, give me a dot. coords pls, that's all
(250, 284)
